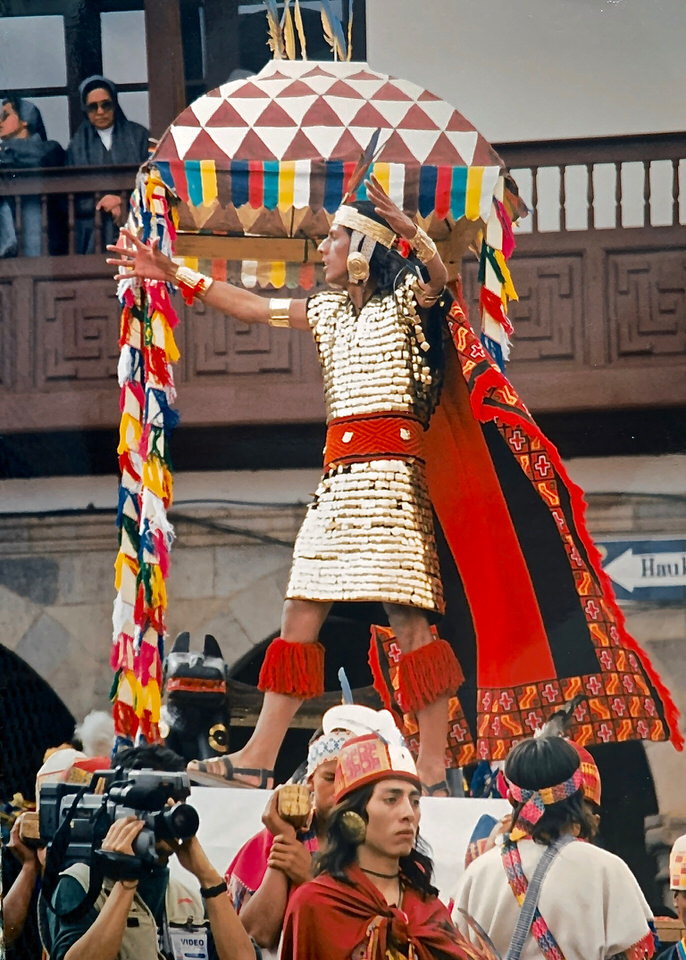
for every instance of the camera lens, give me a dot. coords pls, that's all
(177, 823)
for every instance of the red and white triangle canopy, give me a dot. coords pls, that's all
(304, 110)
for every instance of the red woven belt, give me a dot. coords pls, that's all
(373, 437)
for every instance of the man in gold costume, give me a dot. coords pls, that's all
(368, 534)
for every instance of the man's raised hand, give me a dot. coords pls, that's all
(137, 259)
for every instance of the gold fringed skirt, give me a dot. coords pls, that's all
(368, 535)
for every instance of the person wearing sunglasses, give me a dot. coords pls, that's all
(24, 145)
(105, 138)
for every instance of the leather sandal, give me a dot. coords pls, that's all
(440, 788)
(202, 774)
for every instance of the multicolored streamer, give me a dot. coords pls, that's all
(321, 184)
(148, 351)
(496, 283)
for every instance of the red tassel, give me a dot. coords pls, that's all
(296, 669)
(427, 673)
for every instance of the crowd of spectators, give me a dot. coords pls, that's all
(348, 875)
(104, 138)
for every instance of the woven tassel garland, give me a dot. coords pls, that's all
(496, 284)
(145, 534)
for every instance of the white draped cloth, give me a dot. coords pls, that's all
(590, 900)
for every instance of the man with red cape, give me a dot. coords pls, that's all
(530, 619)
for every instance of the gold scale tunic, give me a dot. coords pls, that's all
(368, 534)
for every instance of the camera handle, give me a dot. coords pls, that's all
(119, 866)
(55, 858)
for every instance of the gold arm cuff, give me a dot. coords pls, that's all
(279, 308)
(423, 246)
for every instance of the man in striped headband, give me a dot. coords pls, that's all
(368, 535)
(589, 903)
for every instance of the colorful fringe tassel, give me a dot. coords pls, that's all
(496, 283)
(145, 534)
(456, 191)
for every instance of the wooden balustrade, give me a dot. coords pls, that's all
(600, 268)
(590, 155)
(58, 189)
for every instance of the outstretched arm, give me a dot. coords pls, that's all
(230, 938)
(147, 262)
(289, 865)
(422, 244)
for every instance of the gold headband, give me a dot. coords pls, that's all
(350, 217)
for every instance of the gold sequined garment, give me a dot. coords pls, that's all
(368, 534)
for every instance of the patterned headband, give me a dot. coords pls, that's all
(347, 216)
(535, 801)
(326, 747)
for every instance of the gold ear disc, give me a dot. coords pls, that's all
(218, 738)
(353, 827)
(358, 268)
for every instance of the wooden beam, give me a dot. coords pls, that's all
(166, 80)
(290, 249)
(245, 703)
(222, 51)
(84, 54)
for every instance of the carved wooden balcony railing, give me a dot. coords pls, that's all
(600, 268)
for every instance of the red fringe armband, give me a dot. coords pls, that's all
(427, 673)
(295, 669)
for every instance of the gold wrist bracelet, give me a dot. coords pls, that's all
(191, 283)
(279, 309)
(423, 246)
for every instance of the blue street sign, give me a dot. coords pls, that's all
(646, 569)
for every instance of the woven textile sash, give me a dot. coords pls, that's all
(527, 895)
(373, 437)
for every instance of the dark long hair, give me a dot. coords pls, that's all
(389, 268)
(541, 762)
(340, 852)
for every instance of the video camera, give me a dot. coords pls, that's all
(112, 795)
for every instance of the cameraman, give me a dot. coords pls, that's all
(152, 917)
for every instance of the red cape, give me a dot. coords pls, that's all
(530, 612)
(329, 919)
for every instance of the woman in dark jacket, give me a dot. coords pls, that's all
(105, 138)
(24, 144)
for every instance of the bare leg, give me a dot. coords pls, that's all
(412, 630)
(301, 621)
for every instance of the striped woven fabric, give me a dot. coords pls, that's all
(535, 801)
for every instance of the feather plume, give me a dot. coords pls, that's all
(301, 30)
(275, 40)
(346, 690)
(333, 31)
(288, 31)
(363, 164)
(350, 30)
(483, 948)
(559, 723)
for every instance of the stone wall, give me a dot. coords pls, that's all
(229, 570)
(57, 589)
